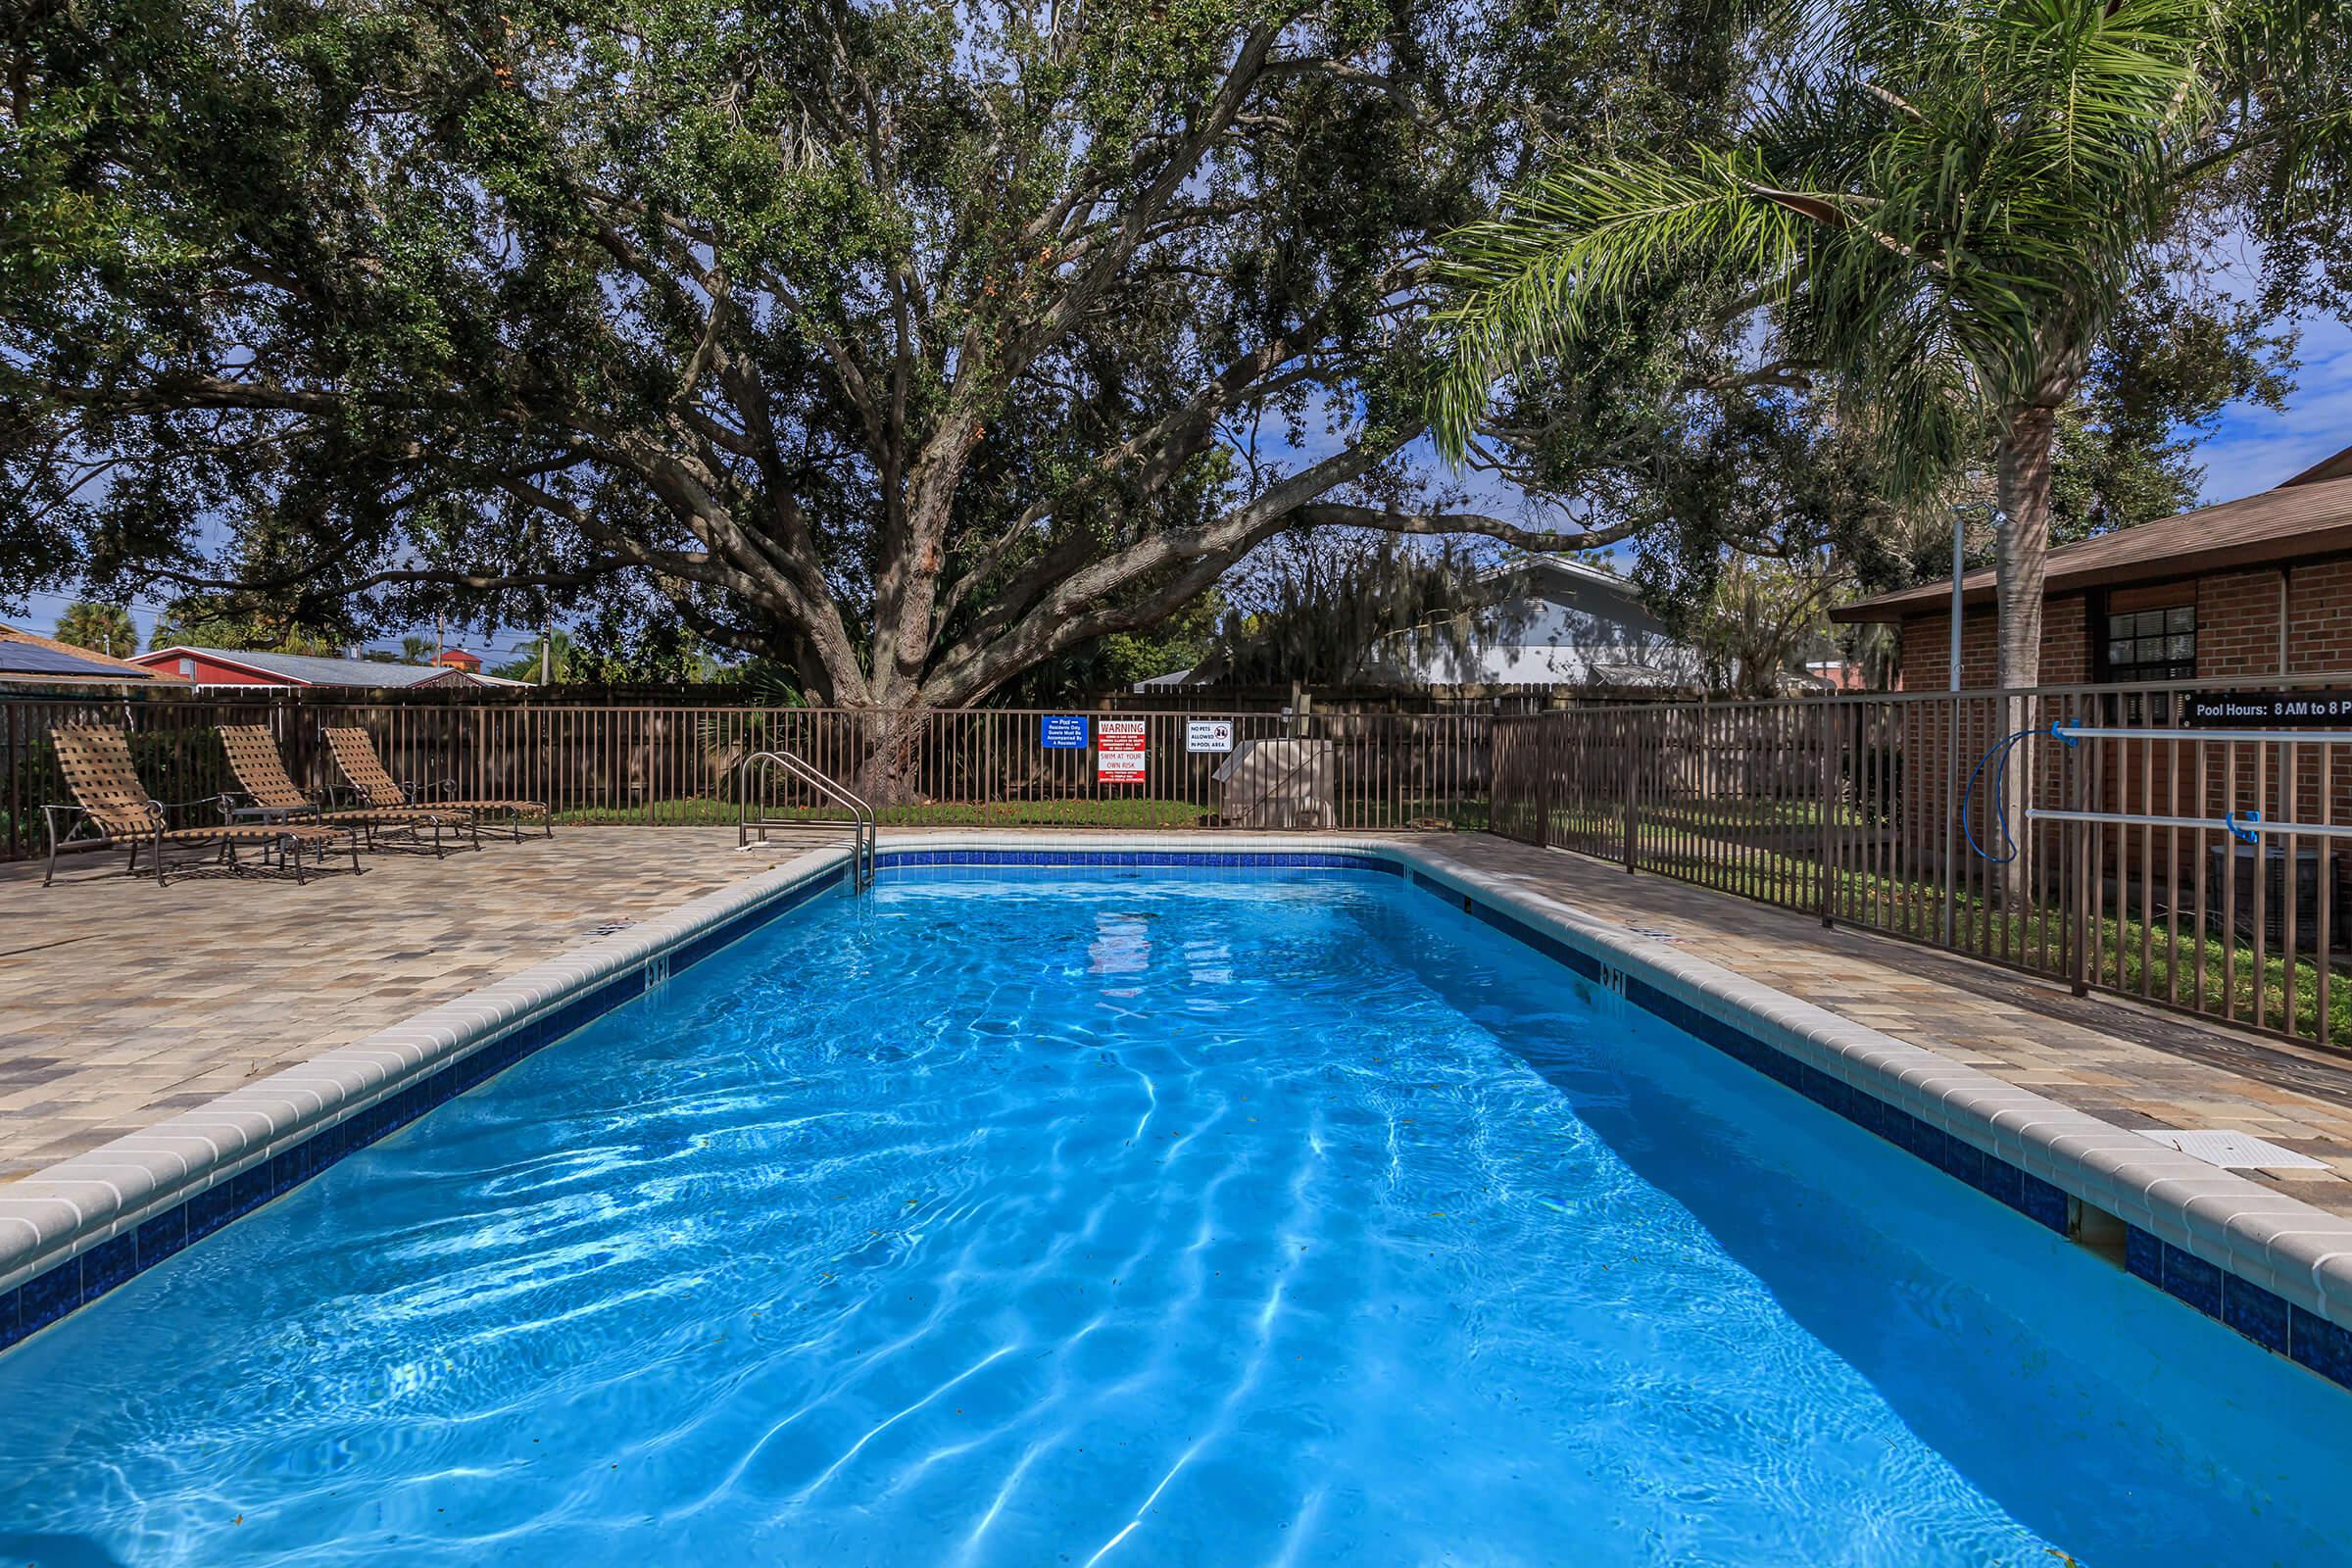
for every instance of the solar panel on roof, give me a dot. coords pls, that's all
(33, 659)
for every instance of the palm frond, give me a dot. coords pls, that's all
(1589, 240)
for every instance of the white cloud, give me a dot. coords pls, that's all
(2255, 448)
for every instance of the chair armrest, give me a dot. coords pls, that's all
(73, 816)
(165, 808)
(236, 802)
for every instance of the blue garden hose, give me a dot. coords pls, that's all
(2000, 791)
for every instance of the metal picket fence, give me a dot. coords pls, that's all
(676, 765)
(2130, 858)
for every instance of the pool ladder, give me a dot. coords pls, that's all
(754, 769)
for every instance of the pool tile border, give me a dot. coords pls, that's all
(2266, 1266)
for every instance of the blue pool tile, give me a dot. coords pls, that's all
(2255, 1312)
(478, 1068)
(2044, 1201)
(1825, 1089)
(45, 1297)
(2003, 1182)
(162, 1234)
(2193, 1279)
(689, 953)
(209, 1210)
(249, 1188)
(2143, 1255)
(2320, 1345)
(367, 1126)
(108, 1264)
(1878, 1116)
(1963, 1160)
(10, 1330)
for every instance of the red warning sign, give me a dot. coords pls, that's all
(1119, 750)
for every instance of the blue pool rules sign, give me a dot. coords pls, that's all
(1065, 732)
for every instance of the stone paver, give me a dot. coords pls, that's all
(121, 1003)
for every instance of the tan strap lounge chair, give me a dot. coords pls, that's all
(96, 762)
(253, 758)
(355, 754)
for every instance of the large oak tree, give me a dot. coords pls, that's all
(906, 344)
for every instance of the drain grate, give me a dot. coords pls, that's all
(2232, 1151)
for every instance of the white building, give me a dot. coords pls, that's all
(1548, 622)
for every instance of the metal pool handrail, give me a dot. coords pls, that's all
(2247, 827)
(861, 814)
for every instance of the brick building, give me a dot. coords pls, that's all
(2236, 596)
(2250, 588)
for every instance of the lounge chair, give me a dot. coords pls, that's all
(355, 754)
(95, 759)
(276, 798)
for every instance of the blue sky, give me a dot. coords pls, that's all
(2252, 449)
(2255, 448)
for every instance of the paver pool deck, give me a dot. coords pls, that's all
(123, 1003)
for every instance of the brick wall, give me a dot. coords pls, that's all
(2238, 624)
(2320, 618)
(2237, 641)
(1927, 647)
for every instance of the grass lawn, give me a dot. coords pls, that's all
(1128, 812)
(2132, 955)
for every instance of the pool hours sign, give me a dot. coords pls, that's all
(2267, 709)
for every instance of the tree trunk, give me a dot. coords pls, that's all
(2021, 569)
(2024, 546)
(891, 742)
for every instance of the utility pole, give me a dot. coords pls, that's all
(547, 652)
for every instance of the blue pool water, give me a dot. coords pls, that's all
(1150, 1218)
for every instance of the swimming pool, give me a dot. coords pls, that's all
(1149, 1216)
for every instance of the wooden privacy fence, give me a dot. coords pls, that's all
(664, 766)
(2120, 872)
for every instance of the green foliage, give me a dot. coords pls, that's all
(1761, 621)
(1940, 220)
(1114, 664)
(104, 628)
(204, 623)
(909, 348)
(1339, 608)
(2174, 355)
(551, 651)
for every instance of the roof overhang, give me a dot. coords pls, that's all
(1977, 588)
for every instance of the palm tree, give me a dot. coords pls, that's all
(545, 658)
(99, 628)
(1929, 220)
